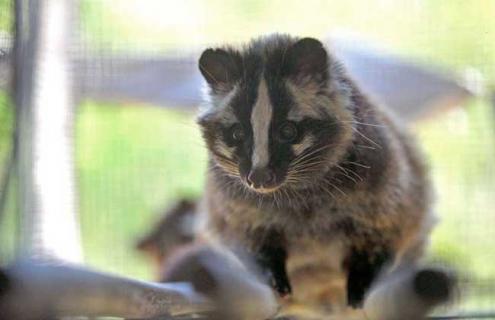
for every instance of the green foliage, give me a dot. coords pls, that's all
(460, 148)
(6, 15)
(6, 124)
(6, 128)
(131, 161)
(7, 221)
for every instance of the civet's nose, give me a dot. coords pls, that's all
(261, 177)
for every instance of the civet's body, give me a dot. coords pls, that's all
(319, 183)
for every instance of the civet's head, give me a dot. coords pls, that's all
(277, 111)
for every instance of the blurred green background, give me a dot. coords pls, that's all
(133, 160)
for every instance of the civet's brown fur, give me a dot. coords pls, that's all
(364, 199)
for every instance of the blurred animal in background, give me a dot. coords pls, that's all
(172, 232)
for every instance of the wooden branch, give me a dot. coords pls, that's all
(219, 274)
(33, 291)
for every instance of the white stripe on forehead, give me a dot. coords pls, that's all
(261, 117)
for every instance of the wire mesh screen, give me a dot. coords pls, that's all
(137, 150)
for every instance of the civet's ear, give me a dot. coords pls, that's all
(307, 59)
(219, 68)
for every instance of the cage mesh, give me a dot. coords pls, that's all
(134, 158)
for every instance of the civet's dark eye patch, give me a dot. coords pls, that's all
(288, 132)
(236, 133)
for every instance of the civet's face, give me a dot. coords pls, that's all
(274, 116)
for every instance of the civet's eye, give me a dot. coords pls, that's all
(288, 132)
(237, 133)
